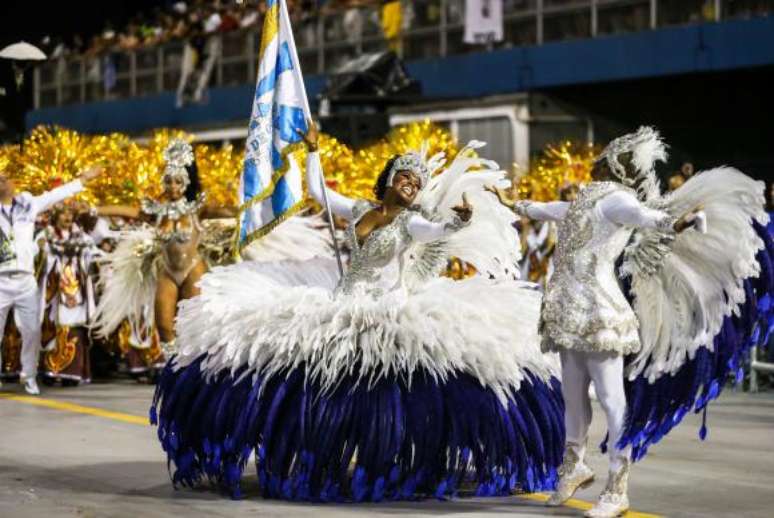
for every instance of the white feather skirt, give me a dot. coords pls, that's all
(269, 317)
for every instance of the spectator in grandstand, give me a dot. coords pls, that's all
(212, 48)
(675, 182)
(200, 54)
(687, 170)
(130, 40)
(249, 15)
(229, 19)
(306, 23)
(352, 21)
(392, 24)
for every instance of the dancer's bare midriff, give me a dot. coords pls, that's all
(180, 242)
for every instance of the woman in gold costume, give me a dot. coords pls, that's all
(159, 264)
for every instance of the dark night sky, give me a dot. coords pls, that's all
(32, 19)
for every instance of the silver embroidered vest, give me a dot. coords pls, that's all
(584, 308)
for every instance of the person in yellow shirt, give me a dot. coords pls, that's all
(392, 21)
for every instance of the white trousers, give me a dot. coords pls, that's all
(21, 295)
(579, 369)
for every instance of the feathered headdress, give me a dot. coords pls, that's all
(178, 155)
(646, 148)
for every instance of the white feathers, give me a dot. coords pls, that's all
(682, 303)
(128, 283)
(490, 242)
(647, 149)
(299, 238)
(272, 316)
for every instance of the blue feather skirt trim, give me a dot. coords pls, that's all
(655, 408)
(387, 441)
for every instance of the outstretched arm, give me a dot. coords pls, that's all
(119, 211)
(218, 212)
(44, 201)
(423, 230)
(339, 205)
(624, 208)
(540, 211)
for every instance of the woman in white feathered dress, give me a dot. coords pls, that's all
(391, 383)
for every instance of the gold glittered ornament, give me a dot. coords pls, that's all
(568, 163)
(52, 156)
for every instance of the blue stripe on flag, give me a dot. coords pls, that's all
(289, 120)
(276, 158)
(270, 3)
(264, 109)
(266, 84)
(284, 61)
(282, 199)
(247, 223)
(269, 81)
(250, 179)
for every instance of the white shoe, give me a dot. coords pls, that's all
(574, 474)
(613, 501)
(31, 387)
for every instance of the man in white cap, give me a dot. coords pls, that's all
(18, 287)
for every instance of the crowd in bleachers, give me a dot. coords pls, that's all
(211, 30)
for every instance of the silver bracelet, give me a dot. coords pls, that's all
(520, 207)
(666, 224)
(456, 223)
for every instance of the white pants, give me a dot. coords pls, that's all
(21, 295)
(579, 369)
(212, 50)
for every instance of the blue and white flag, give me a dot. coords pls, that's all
(271, 188)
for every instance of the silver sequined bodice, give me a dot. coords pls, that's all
(375, 266)
(174, 212)
(584, 307)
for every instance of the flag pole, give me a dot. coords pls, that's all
(285, 20)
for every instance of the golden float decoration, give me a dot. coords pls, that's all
(559, 165)
(52, 156)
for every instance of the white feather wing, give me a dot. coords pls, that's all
(127, 282)
(689, 285)
(489, 242)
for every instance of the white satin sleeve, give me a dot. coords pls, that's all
(540, 211)
(340, 205)
(44, 201)
(625, 209)
(424, 231)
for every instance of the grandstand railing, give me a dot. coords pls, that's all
(325, 42)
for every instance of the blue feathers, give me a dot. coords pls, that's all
(358, 443)
(654, 409)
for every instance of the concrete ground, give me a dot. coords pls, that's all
(68, 459)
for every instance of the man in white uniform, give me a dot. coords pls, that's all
(18, 288)
(586, 317)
